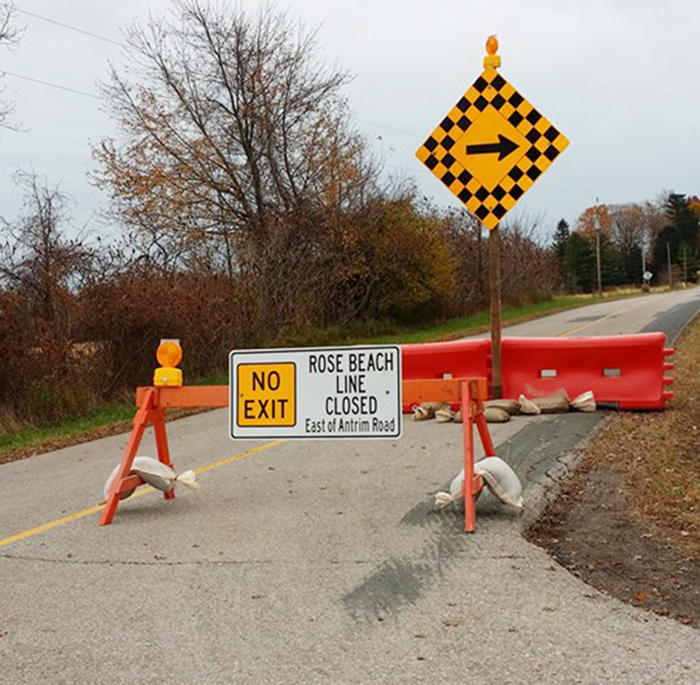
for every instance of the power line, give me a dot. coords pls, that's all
(51, 85)
(72, 28)
(123, 45)
(389, 128)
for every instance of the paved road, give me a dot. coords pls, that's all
(666, 312)
(318, 563)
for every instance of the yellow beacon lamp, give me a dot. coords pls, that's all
(169, 355)
(492, 59)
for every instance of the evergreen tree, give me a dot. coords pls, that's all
(581, 263)
(611, 263)
(683, 219)
(680, 238)
(631, 264)
(559, 243)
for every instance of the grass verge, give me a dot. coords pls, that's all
(658, 454)
(99, 423)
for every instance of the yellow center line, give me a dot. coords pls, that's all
(76, 516)
(592, 323)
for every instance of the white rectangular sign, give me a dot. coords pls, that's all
(322, 392)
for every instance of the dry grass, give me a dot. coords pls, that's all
(658, 454)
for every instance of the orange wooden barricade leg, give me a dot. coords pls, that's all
(468, 429)
(482, 426)
(162, 444)
(140, 422)
(473, 413)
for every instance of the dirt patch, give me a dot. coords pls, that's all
(628, 521)
(591, 530)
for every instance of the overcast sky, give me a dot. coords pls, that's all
(618, 77)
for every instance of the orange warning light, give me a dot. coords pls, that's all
(169, 352)
(169, 355)
(492, 45)
(492, 60)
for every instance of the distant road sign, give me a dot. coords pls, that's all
(648, 275)
(323, 392)
(491, 147)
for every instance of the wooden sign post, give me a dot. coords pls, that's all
(488, 151)
(495, 301)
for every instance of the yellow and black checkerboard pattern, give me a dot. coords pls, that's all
(546, 143)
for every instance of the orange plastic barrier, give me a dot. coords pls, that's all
(452, 359)
(625, 369)
(152, 402)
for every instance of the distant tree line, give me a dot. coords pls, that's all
(660, 237)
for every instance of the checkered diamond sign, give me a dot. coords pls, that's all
(491, 147)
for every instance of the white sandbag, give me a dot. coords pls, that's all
(496, 415)
(511, 406)
(527, 406)
(444, 415)
(426, 410)
(552, 404)
(156, 474)
(500, 479)
(584, 402)
(442, 499)
(110, 480)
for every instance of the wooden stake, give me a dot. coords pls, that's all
(495, 299)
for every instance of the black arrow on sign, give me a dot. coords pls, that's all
(504, 147)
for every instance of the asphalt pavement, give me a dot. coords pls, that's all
(320, 562)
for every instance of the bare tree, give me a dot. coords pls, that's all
(36, 260)
(633, 229)
(531, 274)
(229, 131)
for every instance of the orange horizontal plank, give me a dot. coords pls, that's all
(187, 396)
(442, 390)
(432, 390)
(414, 391)
(480, 389)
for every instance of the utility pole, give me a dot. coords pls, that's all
(645, 285)
(596, 223)
(668, 258)
(685, 268)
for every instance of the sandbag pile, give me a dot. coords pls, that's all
(500, 411)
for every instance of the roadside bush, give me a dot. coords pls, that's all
(388, 261)
(127, 316)
(529, 274)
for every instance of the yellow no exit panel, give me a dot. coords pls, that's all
(266, 394)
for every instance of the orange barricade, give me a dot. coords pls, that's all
(152, 403)
(452, 359)
(470, 394)
(627, 370)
